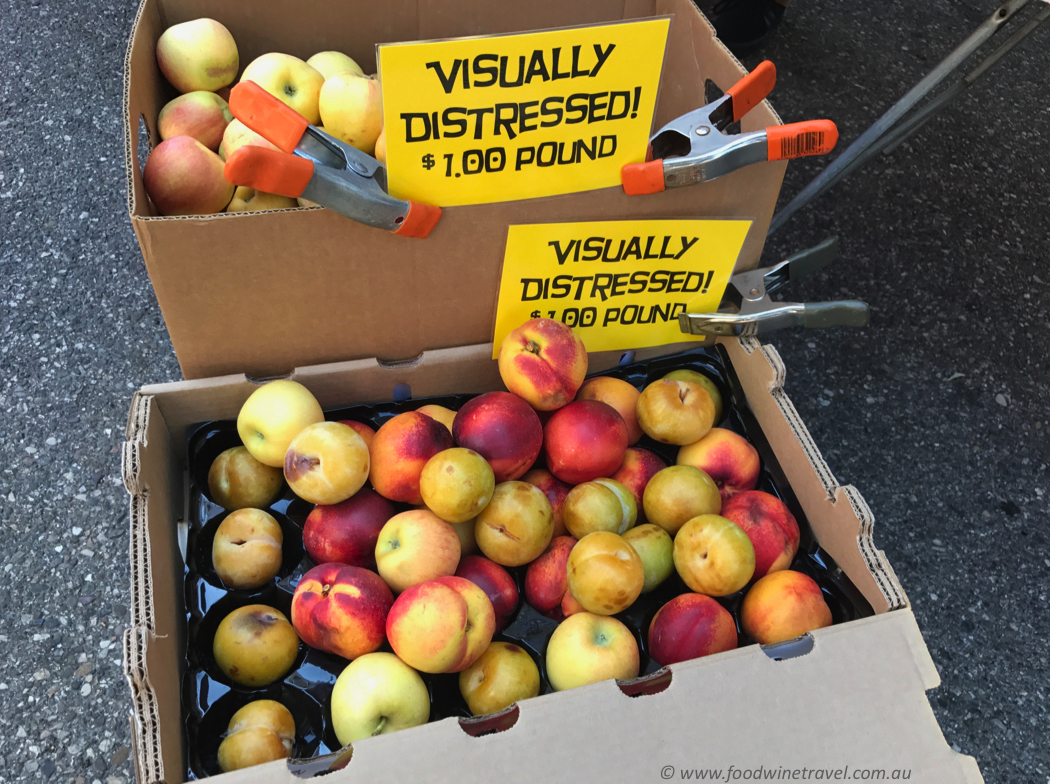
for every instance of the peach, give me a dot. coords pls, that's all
(675, 412)
(183, 177)
(246, 199)
(584, 440)
(677, 494)
(443, 625)
(255, 645)
(782, 606)
(341, 609)
(638, 467)
(326, 463)
(236, 480)
(414, 547)
(688, 627)
(706, 383)
(601, 505)
(547, 579)
(457, 484)
(516, 526)
(726, 457)
(197, 55)
(347, 532)
(200, 114)
(569, 605)
(261, 731)
(247, 549)
(238, 135)
(654, 546)
(605, 573)
(588, 648)
(544, 362)
(503, 429)
(400, 450)
(555, 490)
(769, 525)
(713, 555)
(445, 416)
(618, 394)
(502, 675)
(497, 584)
(363, 430)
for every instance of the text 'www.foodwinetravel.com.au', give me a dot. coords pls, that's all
(782, 773)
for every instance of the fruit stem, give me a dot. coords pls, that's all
(379, 728)
(325, 591)
(532, 347)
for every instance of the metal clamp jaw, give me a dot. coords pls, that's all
(747, 309)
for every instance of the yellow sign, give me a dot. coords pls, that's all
(618, 284)
(479, 120)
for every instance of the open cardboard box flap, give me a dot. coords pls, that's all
(856, 699)
(262, 293)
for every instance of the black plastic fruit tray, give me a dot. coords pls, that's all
(210, 699)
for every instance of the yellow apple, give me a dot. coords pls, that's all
(331, 63)
(272, 416)
(377, 693)
(587, 648)
(198, 55)
(290, 80)
(351, 108)
(237, 135)
(380, 153)
(246, 199)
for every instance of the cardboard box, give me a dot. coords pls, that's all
(264, 293)
(856, 701)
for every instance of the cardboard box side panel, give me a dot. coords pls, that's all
(841, 520)
(144, 91)
(874, 715)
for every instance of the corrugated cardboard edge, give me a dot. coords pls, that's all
(849, 539)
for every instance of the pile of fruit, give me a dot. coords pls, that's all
(425, 536)
(184, 173)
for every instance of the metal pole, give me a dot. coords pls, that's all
(839, 166)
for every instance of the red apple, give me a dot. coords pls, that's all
(347, 532)
(495, 581)
(769, 525)
(688, 627)
(547, 580)
(183, 177)
(585, 440)
(503, 429)
(341, 610)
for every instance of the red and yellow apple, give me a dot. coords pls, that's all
(200, 114)
(377, 694)
(555, 490)
(414, 547)
(197, 55)
(516, 526)
(351, 109)
(400, 450)
(330, 63)
(547, 579)
(713, 555)
(456, 484)
(726, 457)
(544, 362)
(688, 627)
(656, 549)
(601, 505)
(236, 480)
(255, 645)
(497, 584)
(769, 525)
(326, 462)
(584, 440)
(261, 731)
(502, 675)
(341, 609)
(347, 532)
(442, 625)
(503, 429)
(588, 648)
(675, 412)
(605, 574)
(705, 382)
(618, 394)
(677, 494)
(288, 79)
(247, 549)
(782, 606)
(183, 177)
(272, 416)
(638, 467)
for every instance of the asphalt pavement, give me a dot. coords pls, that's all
(938, 412)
